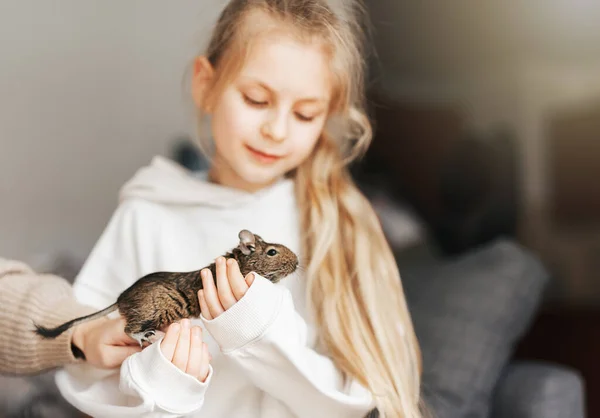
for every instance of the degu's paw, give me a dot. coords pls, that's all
(148, 336)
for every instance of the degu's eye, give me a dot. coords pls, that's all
(272, 252)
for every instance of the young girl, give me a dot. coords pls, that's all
(282, 83)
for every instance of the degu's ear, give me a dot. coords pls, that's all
(202, 78)
(247, 242)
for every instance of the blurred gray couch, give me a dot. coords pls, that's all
(469, 313)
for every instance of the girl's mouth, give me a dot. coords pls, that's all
(263, 157)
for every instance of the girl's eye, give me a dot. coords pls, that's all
(303, 118)
(253, 102)
(272, 252)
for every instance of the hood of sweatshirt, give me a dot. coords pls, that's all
(165, 181)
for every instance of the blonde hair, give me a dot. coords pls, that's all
(353, 282)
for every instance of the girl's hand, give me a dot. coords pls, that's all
(231, 286)
(104, 342)
(183, 347)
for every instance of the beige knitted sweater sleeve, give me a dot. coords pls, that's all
(27, 298)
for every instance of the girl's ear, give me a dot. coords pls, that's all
(202, 78)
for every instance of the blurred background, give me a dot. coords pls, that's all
(486, 148)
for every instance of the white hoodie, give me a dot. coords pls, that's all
(264, 359)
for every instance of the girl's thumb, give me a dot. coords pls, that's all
(127, 350)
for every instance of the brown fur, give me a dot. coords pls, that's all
(161, 298)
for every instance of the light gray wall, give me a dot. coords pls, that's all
(89, 92)
(480, 53)
(454, 41)
(503, 62)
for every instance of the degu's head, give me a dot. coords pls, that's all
(270, 260)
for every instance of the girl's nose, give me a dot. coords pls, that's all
(276, 127)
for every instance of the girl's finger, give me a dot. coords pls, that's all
(238, 285)
(118, 354)
(210, 294)
(194, 363)
(249, 279)
(203, 373)
(169, 342)
(226, 296)
(203, 306)
(182, 351)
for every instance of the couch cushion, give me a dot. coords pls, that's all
(539, 390)
(468, 314)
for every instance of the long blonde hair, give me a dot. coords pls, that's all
(352, 278)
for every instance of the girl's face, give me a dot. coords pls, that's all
(268, 119)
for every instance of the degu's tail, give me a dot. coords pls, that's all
(50, 333)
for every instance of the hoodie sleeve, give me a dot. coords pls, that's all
(267, 338)
(138, 389)
(148, 385)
